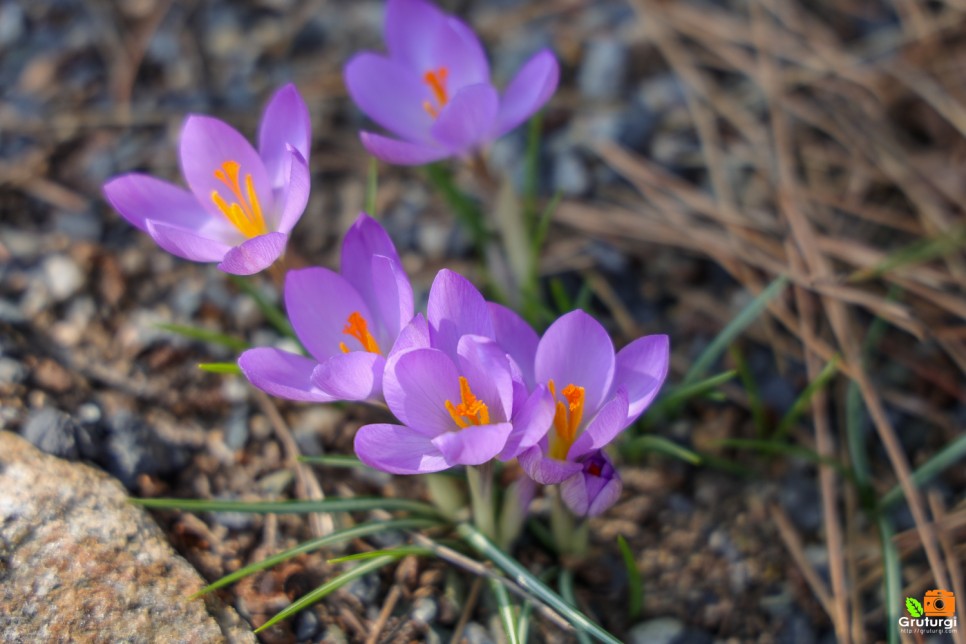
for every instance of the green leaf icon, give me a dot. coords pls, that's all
(913, 606)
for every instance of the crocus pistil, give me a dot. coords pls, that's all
(566, 420)
(436, 80)
(357, 327)
(245, 213)
(471, 410)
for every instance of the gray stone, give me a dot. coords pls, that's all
(63, 277)
(54, 432)
(424, 610)
(81, 563)
(132, 447)
(306, 625)
(602, 69)
(663, 630)
(11, 371)
(11, 23)
(476, 633)
(570, 175)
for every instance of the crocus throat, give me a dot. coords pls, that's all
(594, 469)
(245, 213)
(436, 80)
(357, 327)
(566, 419)
(471, 410)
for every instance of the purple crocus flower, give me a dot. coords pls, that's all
(242, 204)
(597, 394)
(594, 489)
(433, 90)
(347, 322)
(456, 390)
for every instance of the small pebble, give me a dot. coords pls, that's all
(52, 431)
(663, 630)
(602, 69)
(63, 277)
(424, 610)
(11, 371)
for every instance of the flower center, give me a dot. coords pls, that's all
(245, 213)
(471, 410)
(357, 327)
(436, 80)
(566, 419)
(594, 469)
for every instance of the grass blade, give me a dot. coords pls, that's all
(636, 447)
(635, 586)
(941, 460)
(804, 399)
(398, 552)
(567, 592)
(359, 504)
(465, 208)
(758, 415)
(526, 580)
(220, 367)
(372, 186)
(329, 587)
(778, 447)
(205, 335)
(680, 394)
(333, 460)
(734, 328)
(506, 610)
(920, 251)
(354, 532)
(891, 576)
(271, 312)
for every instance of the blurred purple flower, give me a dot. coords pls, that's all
(433, 91)
(456, 390)
(597, 394)
(242, 204)
(347, 322)
(594, 489)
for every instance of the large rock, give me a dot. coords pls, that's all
(78, 562)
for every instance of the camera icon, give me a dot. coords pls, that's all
(939, 603)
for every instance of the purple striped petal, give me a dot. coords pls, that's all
(285, 123)
(254, 255)
(577, 350)
(282, 374)
(319, 303)
(473, 445)
(603, 428)
(207, 143)
(351, 376)
(187, 244)
(641, 369)
(594, 489)
(139, 197)
(485, 366)
(517, 337)
(416, 385)
(455, 309)
(398, 450)
(401, 152)
(529, 90)
(294, 195)
(468, 119)
(530, 424)
(545, 470)
(414, 335)
(391, 94)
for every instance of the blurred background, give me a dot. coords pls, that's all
(791, 169)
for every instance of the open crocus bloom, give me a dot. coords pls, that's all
(242, 203)
(347, 321)
(594, 489)
(456, 390)
(597, 394)
(433, 90)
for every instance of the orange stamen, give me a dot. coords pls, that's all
(471, 410)
(436, 79)
(357, 327)
(245, 213)
(566, 419)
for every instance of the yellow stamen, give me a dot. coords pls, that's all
(471, 410)
(245, 212)
(436, 79)
(357, 327)
(566, 419)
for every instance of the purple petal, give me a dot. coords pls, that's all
(254, 255)
(295, 192)
(608, 494)
(187, 244)
(397, 450)
(282, 374)
(351, 376)
(319, 302)
(517, 337)
(401, 152)
(393, 297)
(533, 86)
(546, 470)
(577, 350)
(424, 38)
(603, 428)
(484, 365)
(641, 369)
(139, 197)
(365, 238)
(473, 445)
(594, 489)
(467, 120)
(455, 309)
(391, 94)
(417, 384)
(207, 143)
(530, 424)
(285, 123)
(414, 335)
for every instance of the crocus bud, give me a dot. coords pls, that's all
(594, 489)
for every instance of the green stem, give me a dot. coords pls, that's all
(480, 479)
